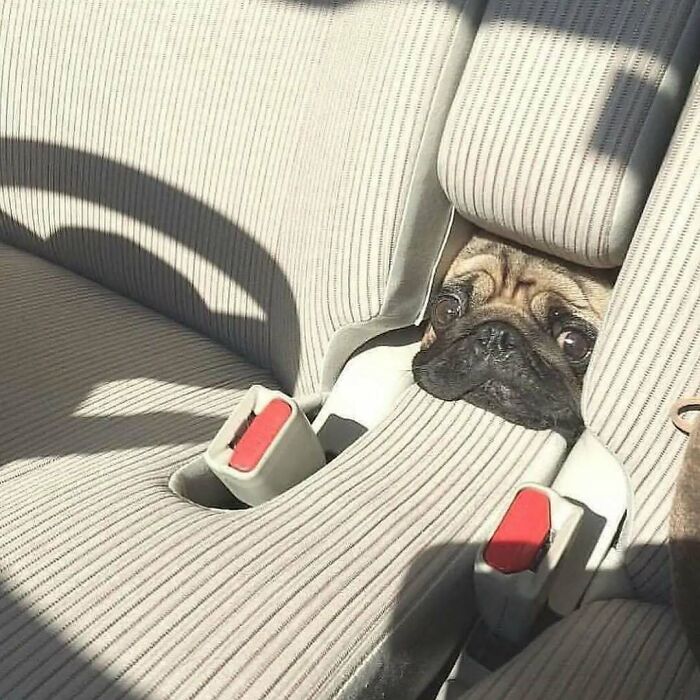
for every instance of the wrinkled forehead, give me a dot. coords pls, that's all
(497, 273)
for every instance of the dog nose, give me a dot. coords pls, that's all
(495, 337)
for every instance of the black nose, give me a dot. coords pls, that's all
(494, 337)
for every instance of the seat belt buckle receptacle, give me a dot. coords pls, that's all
(515, 568)
(265, 447)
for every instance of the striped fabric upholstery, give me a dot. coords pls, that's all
(562, 118)
(648, 354)
(86, 372)
(249, 168)
(613, 650)
(112, 586)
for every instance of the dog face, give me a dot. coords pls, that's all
(512, 332)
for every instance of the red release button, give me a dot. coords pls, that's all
(263, 429)
(523, 532)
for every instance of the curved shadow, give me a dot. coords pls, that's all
(428, 632)
(128, 269)
(64, 354)
(47, 397)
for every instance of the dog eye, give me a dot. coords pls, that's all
(446, 310)
(575, 344)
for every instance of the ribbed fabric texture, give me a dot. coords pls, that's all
(614, 650)
(548, 141)
(648, 354)
(86, 372)
(243, 167)
(112, 586)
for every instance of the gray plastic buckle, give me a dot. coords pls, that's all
(293, 455)
(510, 602)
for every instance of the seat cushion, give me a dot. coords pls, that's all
(354, 583)
(92, 382)
(613, 650)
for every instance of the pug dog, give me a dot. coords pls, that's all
(512, 331)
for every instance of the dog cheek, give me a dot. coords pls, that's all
(429, 337)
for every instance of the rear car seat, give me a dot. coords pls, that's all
(648, 355)
(201, 158)
(114, 587)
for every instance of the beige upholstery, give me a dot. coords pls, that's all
(112, 586)
(264, 173)
(562, 118)
(252, 169)
(259, 172)
(649, 354)
(613, 650)
(92, 382)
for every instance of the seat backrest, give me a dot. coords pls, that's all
(257, 170)
(563, 117)
(648, 354)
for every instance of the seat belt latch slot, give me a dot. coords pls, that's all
(515, 569)
(265, 447)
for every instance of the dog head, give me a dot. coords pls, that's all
(512, 332)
